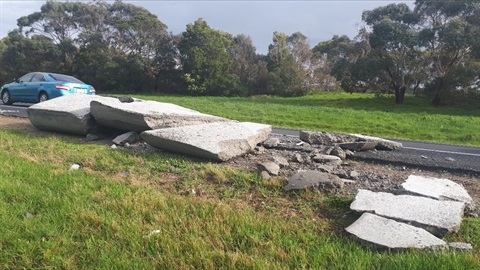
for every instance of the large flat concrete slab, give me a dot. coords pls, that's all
(140, 115)
(438, 217)
(386, 233)
(437, 188)
(67, 114)
(216, 141)
(382, 144)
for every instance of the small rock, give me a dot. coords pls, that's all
(265, 175)
(193, 192)
(354, 174)
(260, 149)
(129, 137)
(124, 173)
(424, 157)
(271, 142)
(28, 215)
(269, 166)
(339, 152)
(449, 159)
(113, 146)
(297, 158)
(280, 160)
(74, 167)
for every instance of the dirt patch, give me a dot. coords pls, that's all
(16, 123)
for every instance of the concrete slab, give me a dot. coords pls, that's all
(216, 141)
(437, 217)
(437, 188)
(67, 114)
(385, 233)
(141, 115)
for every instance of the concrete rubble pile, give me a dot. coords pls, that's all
(162, 125)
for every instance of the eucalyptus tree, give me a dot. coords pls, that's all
(345, 60)
(395, 48)
(450, 35)
(291, 65)
(206, 60)
(250, 67)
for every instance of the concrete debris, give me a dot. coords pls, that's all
(385, 233)
(437, 188)
(142, 115)
(216, 141)
(67, 114)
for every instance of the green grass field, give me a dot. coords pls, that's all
(129, 210)
(348, 113)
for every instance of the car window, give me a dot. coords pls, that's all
(64, 78)
(38, 78)
(26, 78)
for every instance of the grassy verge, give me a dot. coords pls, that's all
(126, 210)
(349, 113)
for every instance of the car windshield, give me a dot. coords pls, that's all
(65, 78)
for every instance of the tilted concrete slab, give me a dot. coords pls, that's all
(437, 217)
(386, 233)
(437, 188)
(67, 114)
(141, 115)
(217, 141)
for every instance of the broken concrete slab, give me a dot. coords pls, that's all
(323, 181)
(359, 146)
(325, 138)
(216, 141)
(389, 234)
(437, 188)
(141, 115)
(437, 217)
(382, 144)
(67, 114)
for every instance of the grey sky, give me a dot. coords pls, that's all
(318, 20)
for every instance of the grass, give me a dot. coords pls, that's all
(127, 210)
(367, 114)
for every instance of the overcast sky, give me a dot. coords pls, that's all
(318, 20)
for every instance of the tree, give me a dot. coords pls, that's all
(291, 65)
(449, 34)
(395, 48)
(206, 61)
(250, 67)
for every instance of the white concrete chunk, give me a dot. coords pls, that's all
(386, 233)
(217, 141)
(437, 188)
(141, 115)
(67, 114)
(438, 217)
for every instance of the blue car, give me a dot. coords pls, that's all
(41, 86)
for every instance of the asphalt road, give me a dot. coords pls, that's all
(418, 154)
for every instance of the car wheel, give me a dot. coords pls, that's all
(42, 97)
(6, 98)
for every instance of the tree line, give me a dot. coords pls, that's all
(432, 50)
